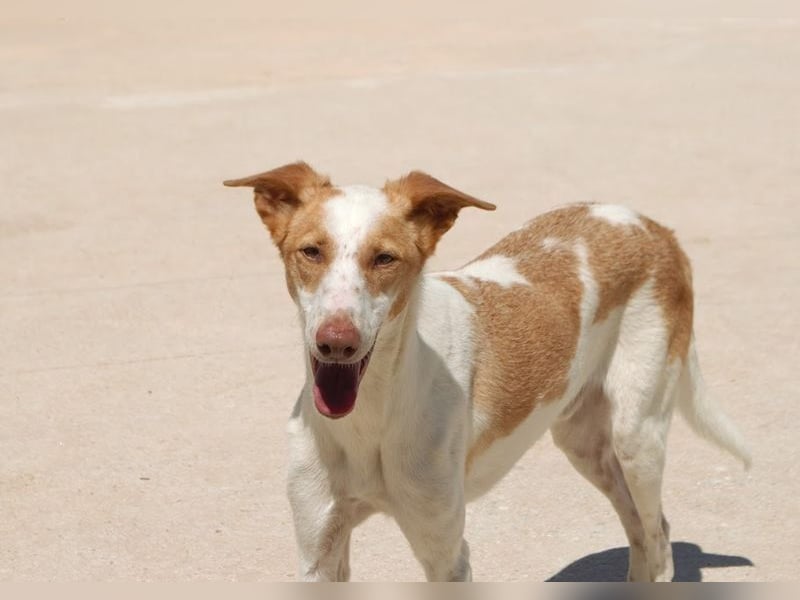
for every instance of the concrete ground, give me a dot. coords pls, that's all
(150, 355)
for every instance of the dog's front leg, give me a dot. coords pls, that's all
(434, 527)
(322, 528)
(322, 521)
(426, 487)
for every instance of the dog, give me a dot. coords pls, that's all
(423, 390)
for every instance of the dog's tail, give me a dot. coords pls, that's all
(704, 417)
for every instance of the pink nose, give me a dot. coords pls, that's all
(338, 338)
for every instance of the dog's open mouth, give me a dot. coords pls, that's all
(336, 385)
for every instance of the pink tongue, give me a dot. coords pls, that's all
(335, 389)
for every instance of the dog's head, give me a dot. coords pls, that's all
(352, 256)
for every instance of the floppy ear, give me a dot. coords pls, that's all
(432, 205)
(279, 192)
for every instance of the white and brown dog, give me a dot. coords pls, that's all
(422, 391)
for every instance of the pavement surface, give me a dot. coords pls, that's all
(150, 355)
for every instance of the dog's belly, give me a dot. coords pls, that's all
(496, 461)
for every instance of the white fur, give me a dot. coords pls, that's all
(703, 416)
(551, 243)
(349, 217)
(615, 214)
(402, 451)
(498, 269)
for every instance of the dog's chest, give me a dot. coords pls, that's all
(358, 470)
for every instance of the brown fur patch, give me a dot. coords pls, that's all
(528, 335)
(280, 192)
(396, 236)
(306, 229)
(422, 209)
(432, 206)
(290, 202)
(672, 275)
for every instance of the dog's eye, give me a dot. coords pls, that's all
(384, 259)
(312, 253)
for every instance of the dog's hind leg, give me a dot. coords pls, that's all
(639, 430)
(641, 385)
(584, 435)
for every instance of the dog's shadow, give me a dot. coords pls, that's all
(612, 565)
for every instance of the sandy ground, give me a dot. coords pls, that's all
(150, 354)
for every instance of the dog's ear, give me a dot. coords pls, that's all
(432, 205)
(279, 192)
